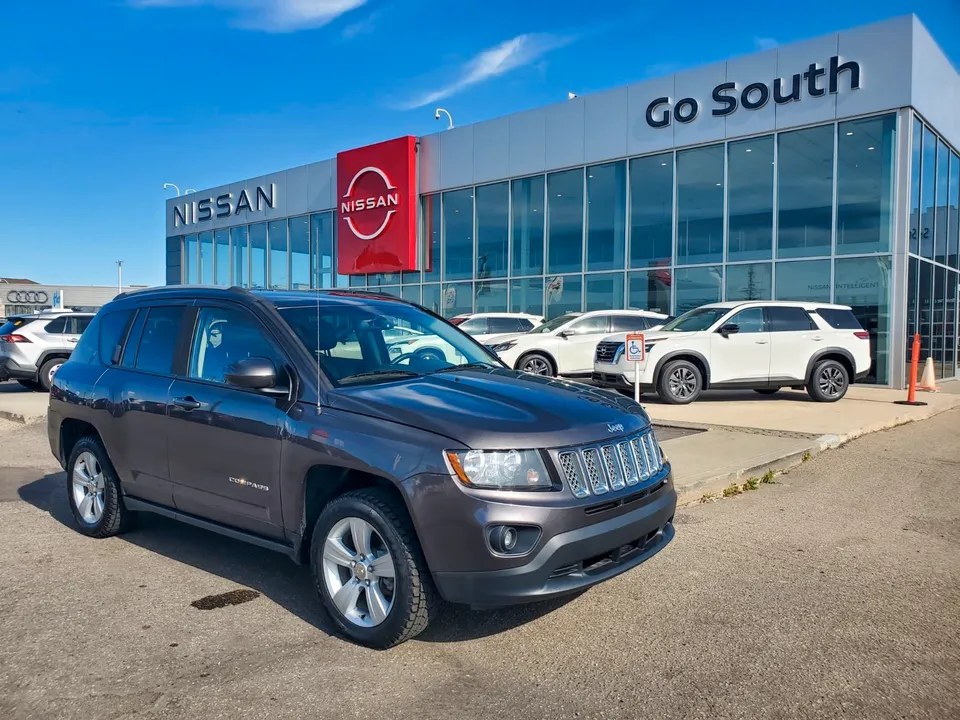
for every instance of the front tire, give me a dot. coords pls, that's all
(680, 382)
(829, 381)
(536, 364)
(93, 491)
(369, 569)
(48, 370)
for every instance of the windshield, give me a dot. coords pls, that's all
(554, 324)
(379, 341)
(699, 319)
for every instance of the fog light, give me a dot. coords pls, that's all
(503, 539)
(509, 538)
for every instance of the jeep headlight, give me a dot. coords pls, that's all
(500, 347)
(500, 469)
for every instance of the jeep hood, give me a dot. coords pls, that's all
(497, 409)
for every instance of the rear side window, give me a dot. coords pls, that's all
(158, 342)
(57, 326)
(628, 323)
(840, 319)
(76, 325)
(789, 319)
(473, 326)
(507, 325)
(113, 333)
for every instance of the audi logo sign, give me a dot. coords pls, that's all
(30, 297)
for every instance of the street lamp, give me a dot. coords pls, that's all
(119, 276)
(188, 191)
(169, 185)
(436, 116)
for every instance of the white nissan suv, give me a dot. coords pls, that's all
(762, 346)
(565, 346)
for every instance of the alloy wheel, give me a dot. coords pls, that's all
(88, 485)
(683, 383)
(51, 372)
(536, 366)
(831, 381)
(359, 572)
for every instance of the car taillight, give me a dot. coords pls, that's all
(13, 338)
(863, 335)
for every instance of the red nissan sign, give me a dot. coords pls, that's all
(377, 219)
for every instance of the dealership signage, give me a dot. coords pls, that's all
(817, 81)
(27, 297)
(376, 222)
(191, 211)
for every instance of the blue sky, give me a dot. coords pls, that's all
(102, 101)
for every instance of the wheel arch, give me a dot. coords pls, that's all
(691, 356)
(841, 355)
(538, 351)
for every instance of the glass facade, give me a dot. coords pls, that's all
(806, 214)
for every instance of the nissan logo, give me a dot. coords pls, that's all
(32, 297)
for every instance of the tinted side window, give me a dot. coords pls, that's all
(507, 325)
(840, 319)
(113, 333)
(789, 319)
(524, 325)
(87, 349)
(587, 326)
(81, 323)
(56, 326)
(750, 320)
(158, 343)
(627, 323)
(474, 326)
(224, 336)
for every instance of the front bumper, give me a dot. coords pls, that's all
(575, 559)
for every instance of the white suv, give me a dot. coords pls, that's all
(566, 345)
(483, 326)
(33, 347)
(761, 346)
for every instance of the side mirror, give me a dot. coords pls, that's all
(729, 329)
(565, 334)
(256, 373)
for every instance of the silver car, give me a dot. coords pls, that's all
(33, 347)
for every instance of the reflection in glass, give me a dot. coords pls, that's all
(604, 292)
(458, 235)
(410, 293)
(258, 255)
(942, 203)
(650, 290)
(393, 290)
(651, 210)
(866, 174)
(565, 221)
(936, 326)
(357, 281)
(526, 296)
(241, 255)
(493, 230)
(807, 281)
(750, 282)
(491, 296)
(805, 192)
(915, 186)
(431, 237)
(864, 285)
(206, 258)
(697, 286)
(953, 224)
(750, 199)
(221, 242)
(928, 186)
(299, 229)
(457, 299)
(321, 232)
(190, 260)
(528, 219)
(925, 309)
(378, 280)
(564, 295)
(607, 217)
(279, 271)
(700, 205)
(950, 326)
(912, 270)
(431, 297)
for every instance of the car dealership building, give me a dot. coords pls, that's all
(825, 170)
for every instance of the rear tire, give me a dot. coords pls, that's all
(48, 370)
(93, 491)
(412, 598)
(829, 381)
(680, 382)
(767, 391)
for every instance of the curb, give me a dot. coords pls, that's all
(21, 418)
(692, 494)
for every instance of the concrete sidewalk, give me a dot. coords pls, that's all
(21, 405)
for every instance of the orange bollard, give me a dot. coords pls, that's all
(914, 366)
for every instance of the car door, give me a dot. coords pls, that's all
(794, 337)
(73, 329)
(743, 356)
(225, 441)
(578, 343)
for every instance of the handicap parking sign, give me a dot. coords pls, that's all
(635, 349)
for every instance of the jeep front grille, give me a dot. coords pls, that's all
(607, 351)
(598, 469)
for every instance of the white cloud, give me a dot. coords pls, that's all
(361, 27)
(270, 15)
(492, 62)
(765, 43)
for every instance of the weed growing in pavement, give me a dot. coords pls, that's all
(767, 478)
(806, 456)
(707, 497)
(751, 484)
(734, 489)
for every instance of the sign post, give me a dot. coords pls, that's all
(636, 353)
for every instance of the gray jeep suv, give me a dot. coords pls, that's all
(286, 419)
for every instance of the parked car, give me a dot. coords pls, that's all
(33, 347)
(565, 346)
(483, 326)
(762, 346)
(282, 419)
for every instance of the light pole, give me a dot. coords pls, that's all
(119, 276)
(436, 115)
(188, 191)
(168, 185)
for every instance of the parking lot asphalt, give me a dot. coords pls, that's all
(834, 593)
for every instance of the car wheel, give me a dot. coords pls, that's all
(369, 569)
(30, 384)
(93, 491)
(48, 370)
(829, 381)
(767, 391)
(536, 364)
(680, 382)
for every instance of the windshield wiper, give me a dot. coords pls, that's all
(466, 366)
(383, 374)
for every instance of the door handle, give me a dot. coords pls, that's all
(817, 339)
(187, 403)
(73, 340)
(761, 342)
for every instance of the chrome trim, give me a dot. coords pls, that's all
(599, 468)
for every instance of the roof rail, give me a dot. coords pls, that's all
(174, 288)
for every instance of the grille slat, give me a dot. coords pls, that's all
(607, 351)
(599, 469)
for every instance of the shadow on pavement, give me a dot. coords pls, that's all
(269, 573)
